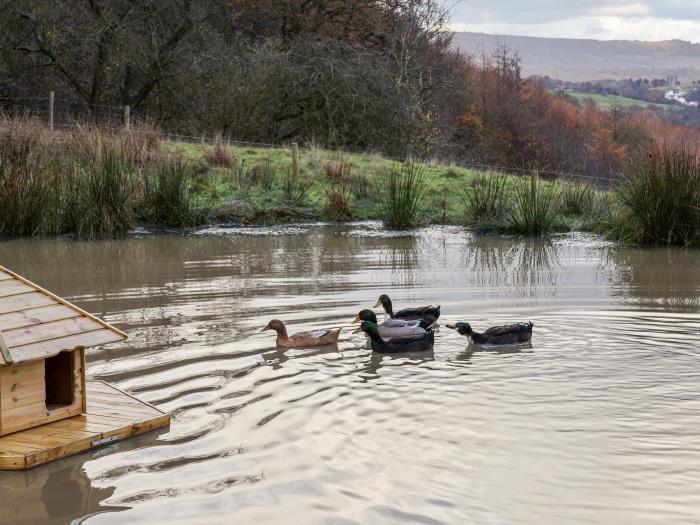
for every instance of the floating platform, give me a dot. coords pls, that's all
(111, 415)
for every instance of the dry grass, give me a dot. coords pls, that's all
(220, 154)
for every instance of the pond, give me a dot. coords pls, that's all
(595, 422)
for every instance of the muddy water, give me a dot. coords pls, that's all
(596, 423)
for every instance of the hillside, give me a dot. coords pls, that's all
(581, 60)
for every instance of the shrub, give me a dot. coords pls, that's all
(167, 199)
(401, 191)
(534, 208)
(361, 186)
(485, 199)
(577, 199)
(100, 194)
(660, 198)
(219, 154)
(295, 189)
(263, 174)
(337, 170)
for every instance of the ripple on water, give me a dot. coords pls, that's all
(593, 422)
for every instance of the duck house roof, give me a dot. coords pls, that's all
(37, 324)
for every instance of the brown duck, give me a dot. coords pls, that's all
(302, 339)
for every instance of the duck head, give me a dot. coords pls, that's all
(385, 303)
(276, 325)
(371, 329)
(462, 328)
(366, 315)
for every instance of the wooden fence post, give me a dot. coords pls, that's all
(295, 161)
(127, 118)
(51, 104)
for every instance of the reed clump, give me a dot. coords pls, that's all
(401, 191)
(168, 199)
(89, 183)
(660, 198)
(577, 199)
(486, 198)
(534, 208)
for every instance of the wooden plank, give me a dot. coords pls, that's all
(4, 276)
(49, 331)
(34, 316)
(13, 376)
(23, 395)
(122, 392)
(24, 302)
(54, 346)
(66, 437)
(5, 355)
(13, 287)
(58, 299)
(12, 461)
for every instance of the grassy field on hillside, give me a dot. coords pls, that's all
(611, 101)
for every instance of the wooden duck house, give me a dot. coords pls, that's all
(47, 408)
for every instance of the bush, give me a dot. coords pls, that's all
(100, 194)
(660, 198)
(167, 199)
(337, 171)
(577, 199)
(295, 189)
(401, 192)
(534, 208)
(219, 154)
(486, 199)
(361, 186)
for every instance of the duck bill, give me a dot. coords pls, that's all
(451, 326)
(358, 330)
(356, 320)
(266, 328)
(379, 303)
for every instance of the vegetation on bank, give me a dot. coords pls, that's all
(93, 184)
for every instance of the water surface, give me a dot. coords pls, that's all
(596, 422)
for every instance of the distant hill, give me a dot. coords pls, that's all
(581, 60)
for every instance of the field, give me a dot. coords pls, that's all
(612, 101)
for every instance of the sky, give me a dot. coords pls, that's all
(598, 19)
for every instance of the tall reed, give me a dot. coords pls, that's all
(401, 191)
(660, 198)
(534, 208)
(486, 198)
(167, 198)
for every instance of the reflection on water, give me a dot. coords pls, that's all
(593, 422)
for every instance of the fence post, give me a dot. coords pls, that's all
(534, 176)
(295, 161)
(51, 101)
(127, 117)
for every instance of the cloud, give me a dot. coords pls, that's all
(604, 19)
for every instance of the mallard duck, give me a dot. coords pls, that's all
(416, 343)
(426, 313)
(302, 339)
(497, 335)
(391, 328)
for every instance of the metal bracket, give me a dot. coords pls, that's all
(105, 441)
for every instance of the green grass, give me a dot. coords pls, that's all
(452, 195)
(611, 101)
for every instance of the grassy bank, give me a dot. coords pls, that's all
(92, 184)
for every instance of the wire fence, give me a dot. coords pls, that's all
(65, 115)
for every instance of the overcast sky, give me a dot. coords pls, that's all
(599, 19)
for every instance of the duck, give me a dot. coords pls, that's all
(497, 335)
(308, 339)
(392, 328)
(416, 343)
(424, 313)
